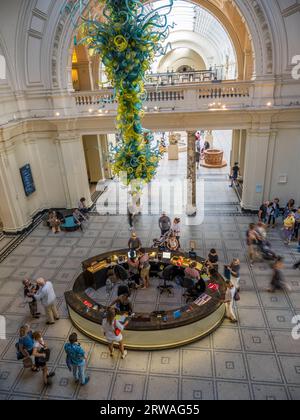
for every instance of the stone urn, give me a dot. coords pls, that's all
(213, 158)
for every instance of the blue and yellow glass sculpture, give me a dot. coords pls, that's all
(127, 42)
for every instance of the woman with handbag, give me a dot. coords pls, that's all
(112, 329)
(24, 347)
(41, 354)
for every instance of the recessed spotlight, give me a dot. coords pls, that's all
(106, 112)
(100, 111)
(90, 110)
(57, 114)
(269, 104)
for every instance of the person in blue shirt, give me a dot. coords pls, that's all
(76, 359)
(235, 174)
(25, 343)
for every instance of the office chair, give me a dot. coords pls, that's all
(166, 275)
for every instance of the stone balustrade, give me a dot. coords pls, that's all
(198, 96)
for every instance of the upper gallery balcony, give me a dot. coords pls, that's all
(181, 92)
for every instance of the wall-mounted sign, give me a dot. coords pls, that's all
(259, 189)
(283, 179)
(27, 179)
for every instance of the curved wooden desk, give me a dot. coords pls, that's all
(146, 331)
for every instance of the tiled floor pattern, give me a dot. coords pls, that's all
(257, 359)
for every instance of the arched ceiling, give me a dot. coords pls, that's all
(189, 16)
(195, 25)
(179, 57)
(37, 39)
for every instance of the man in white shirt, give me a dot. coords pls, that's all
(47, 297)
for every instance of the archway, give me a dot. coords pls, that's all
(245, 36)
(205, 33)
(179, 58)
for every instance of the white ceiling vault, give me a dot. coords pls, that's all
(195, 28)
(36, 41)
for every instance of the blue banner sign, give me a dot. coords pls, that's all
(27, 179)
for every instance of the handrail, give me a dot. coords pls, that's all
(196, 92)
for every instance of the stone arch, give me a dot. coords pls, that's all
(193, 56)
(252, 17)
(257, 24)
(10, 79)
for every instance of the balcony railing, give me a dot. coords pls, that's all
(194, 96)
(232, 90)
(171, 78)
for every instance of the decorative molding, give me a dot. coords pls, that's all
(289, 11)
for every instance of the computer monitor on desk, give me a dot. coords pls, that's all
(167, 255)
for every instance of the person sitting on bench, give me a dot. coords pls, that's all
(54, 222)
(78, 218)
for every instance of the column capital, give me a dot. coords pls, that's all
(191, 134)
(260, 132)
(68, 136)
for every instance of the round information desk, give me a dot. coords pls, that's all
(147, 331)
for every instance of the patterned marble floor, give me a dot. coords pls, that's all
(256, 359)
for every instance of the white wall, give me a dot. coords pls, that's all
(287, 163)
(272, 155)
(58, 168)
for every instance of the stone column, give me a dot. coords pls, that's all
(270, 164)
(191, 175)
(255, 174)
(91, 74)
(73, 168)
(248, 65)
(95, 60)
(103, 140)
(235, 147)
(242, 150)
(13, 209)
